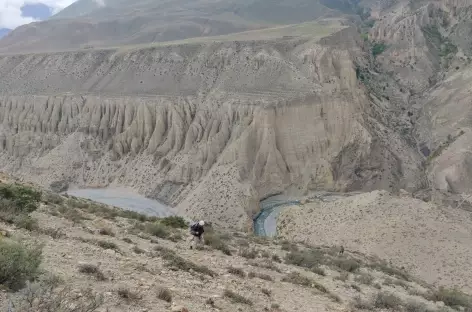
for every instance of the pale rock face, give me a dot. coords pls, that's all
(232, 123)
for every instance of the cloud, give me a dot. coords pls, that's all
(10, 11)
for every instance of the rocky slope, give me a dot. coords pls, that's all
(210, 128)
(427, 239)
(98, 257)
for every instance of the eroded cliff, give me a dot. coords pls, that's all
(208, 128)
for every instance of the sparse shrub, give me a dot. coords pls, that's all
(343, 276)
(348, 265)
(308, 258)
(361, 304)
(157, 230)
(106, 231)
(383, 267)
(318, 270)
(415, 306)
(297, 279)
(26, 222)
(243, 243)
(92, 269)
(47, 296)
(275, 306)
(288, 246)
(18, 264)
(138, 250)
(175, 237)
(108, 245)
(265, 254)
(53, 233)
(215, 241)
(267, 264)
(23, 199)
(174, 222)
(128, 295)
(16, 203)
(127, 240)
(236, 298)
(73, 215)
(248, 253)
(237, 271)
(164, 252)
(180, 263)
(451, 297)
(335, 297)
(266, 292)
(364, 278)
(164, 294)
(320, 287)
(52, 198)
(378, 48)
(260, 275)
(356, 287)
(385, 300)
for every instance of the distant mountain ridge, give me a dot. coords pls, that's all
(89, 23)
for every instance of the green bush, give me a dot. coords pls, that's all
(18, 264)
(174, 222)
(378, 48)
(26, 222)
(23, 198)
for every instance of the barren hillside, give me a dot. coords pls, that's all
(429, 240)
(83, 256)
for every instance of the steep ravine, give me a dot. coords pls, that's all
(210, 128)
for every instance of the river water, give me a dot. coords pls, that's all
(125, 199)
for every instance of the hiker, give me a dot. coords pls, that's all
(197, 231)
(341, 251)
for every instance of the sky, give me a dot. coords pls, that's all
(14, 13)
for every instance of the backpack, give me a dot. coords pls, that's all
(196, 228)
